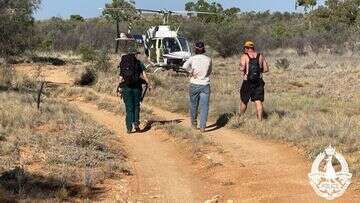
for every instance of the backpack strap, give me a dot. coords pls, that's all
(257, 56)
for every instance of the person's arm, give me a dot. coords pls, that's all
(120, 73)
(144, 76)
(243, 66)
(265, 64)
(187, 65)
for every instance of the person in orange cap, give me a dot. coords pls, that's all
(252, 66)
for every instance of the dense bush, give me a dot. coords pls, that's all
(194, 33)
(226, 39)
(16, 26)
(88, 77)
(102, 62)
(58, 34)
(333, 27)
(87, 53)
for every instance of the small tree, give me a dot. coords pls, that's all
(204, 6)
(120, 11)
(77, 18)
(16, 25)
(307, 4)
(279, 33)
(213, 7)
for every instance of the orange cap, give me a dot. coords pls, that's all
(249, 44)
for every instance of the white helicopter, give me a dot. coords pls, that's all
(163, 47)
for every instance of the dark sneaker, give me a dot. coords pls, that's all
(137, 129)
(136, 126)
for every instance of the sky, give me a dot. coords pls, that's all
(90, 8)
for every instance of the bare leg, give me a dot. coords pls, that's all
(259, 110)
(243, 107)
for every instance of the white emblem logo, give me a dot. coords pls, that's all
(328, 183)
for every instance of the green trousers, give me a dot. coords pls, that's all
(132, 97)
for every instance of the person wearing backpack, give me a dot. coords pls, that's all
(200, 68)
(253, 65)
(132, 77)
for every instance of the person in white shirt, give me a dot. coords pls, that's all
(200, 67)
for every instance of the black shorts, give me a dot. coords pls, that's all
(252, 90)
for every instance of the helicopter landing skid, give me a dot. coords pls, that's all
(147, 66)
(159, 69)
(173, 68)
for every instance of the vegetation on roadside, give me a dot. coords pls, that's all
(52, 154)
(301, 108)
(196, 139)
(312, 97)
(9, 80)
(17, 26)
(330, 27)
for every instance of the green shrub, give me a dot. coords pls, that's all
(102, 62)
(87, 53)
(17, 28)
(226, 39)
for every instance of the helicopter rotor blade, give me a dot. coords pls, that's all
(196, 12)
(150, 10)
(166, 11)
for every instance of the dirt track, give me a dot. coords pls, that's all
(251, 169)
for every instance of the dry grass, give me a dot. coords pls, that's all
(54, 154)
(196, 139)
(107, 82)
(111, 106)
(10, 80)
(312, 103)
(76, 93)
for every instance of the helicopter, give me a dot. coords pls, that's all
(164, 48)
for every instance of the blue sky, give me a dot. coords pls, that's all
(90, 8)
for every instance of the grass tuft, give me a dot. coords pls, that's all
(54, 151)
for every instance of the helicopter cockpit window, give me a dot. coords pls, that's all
(171, 45)
(184, 44)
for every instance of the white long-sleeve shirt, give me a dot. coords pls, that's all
(200, 67)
